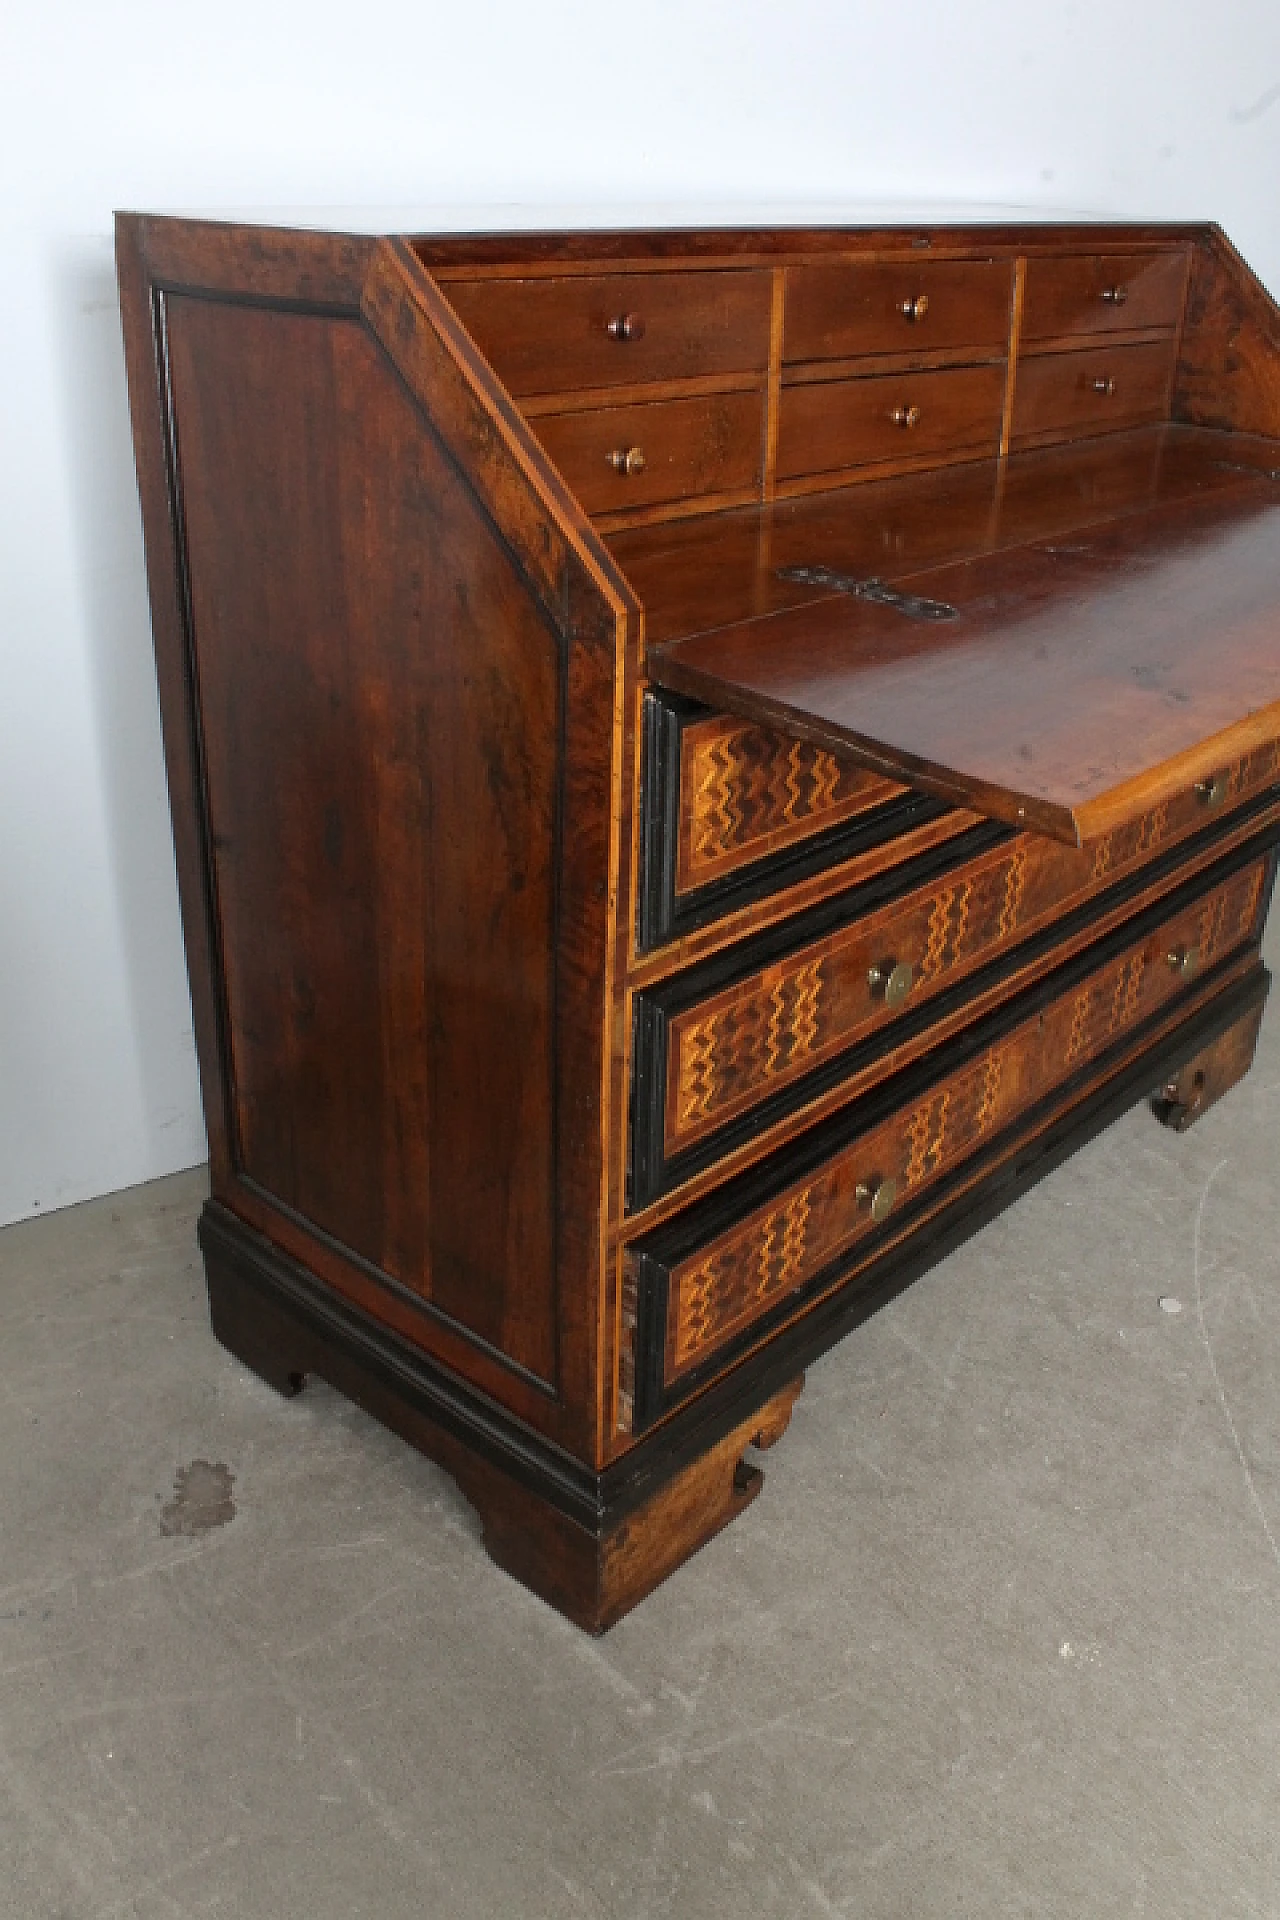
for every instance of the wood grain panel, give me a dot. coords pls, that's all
(710, 444)
(380, 968)
(547, 336)
(1229, 364)
(1103, 293)
(712, 571)
(1061, 395)
(900, 416)
(902, 307)
(1073, 691)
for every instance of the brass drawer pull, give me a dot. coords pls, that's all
(1212, 792)
(891, 981)
(916, 308)
(626, 326)
(905, 416)
(876, 1196)
(627, 460)
(1104, 384)
(1115, 296)
(1184, 961)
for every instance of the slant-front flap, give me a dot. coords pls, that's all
(1079, 682)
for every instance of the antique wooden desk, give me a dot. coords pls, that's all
(703, 764)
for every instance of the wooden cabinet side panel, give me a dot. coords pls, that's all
(380, 706)
(583, 588)
(1229, 367)
(415, 692)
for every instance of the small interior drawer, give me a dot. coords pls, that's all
(616, 458)
(836, 424)
(1096, 391)
(834, 1199)
(1102, 293)
(617, 329)
(903, 307)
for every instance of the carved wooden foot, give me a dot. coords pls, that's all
(596, 1580)
(592, 1544)
(776, 1417)
(1199, 1085)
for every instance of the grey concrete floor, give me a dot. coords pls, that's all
(1000, 1637)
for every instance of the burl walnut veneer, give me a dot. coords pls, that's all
(703, 764)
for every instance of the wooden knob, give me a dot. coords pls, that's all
(905, 416)
(1115, 296)
(917, 307)
(1211, 793)
(876, 1196)
(891, 981)
(626, 326)
(1184, 961)
(627, 460)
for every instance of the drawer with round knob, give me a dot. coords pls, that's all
(1098, 390)
(1102, 293)
(843, 994)
(904, 307)
(829, 425)
(609, 330)
(619, 458)
(810, 1217)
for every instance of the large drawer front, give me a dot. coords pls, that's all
(710, 1274)
(617, 329)
(732, 814)
(734, 1044)
(617, 458)
(900, 307)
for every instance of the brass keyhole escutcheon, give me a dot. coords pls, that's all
(628, 460)
(1212, 793)
(1104, 384)
(916, 308)
(1184, 961)
(891, 981)
(905, 416)
(876, 1196)
(626, 326)
(1115, 296)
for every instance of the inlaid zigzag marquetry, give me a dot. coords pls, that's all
(745, 791)
(732, 1050)
(767, 1033)
(779, 1248)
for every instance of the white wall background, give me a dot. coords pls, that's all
(1167, 108)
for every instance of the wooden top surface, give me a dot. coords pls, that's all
(714, 570)
(1083, 679)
